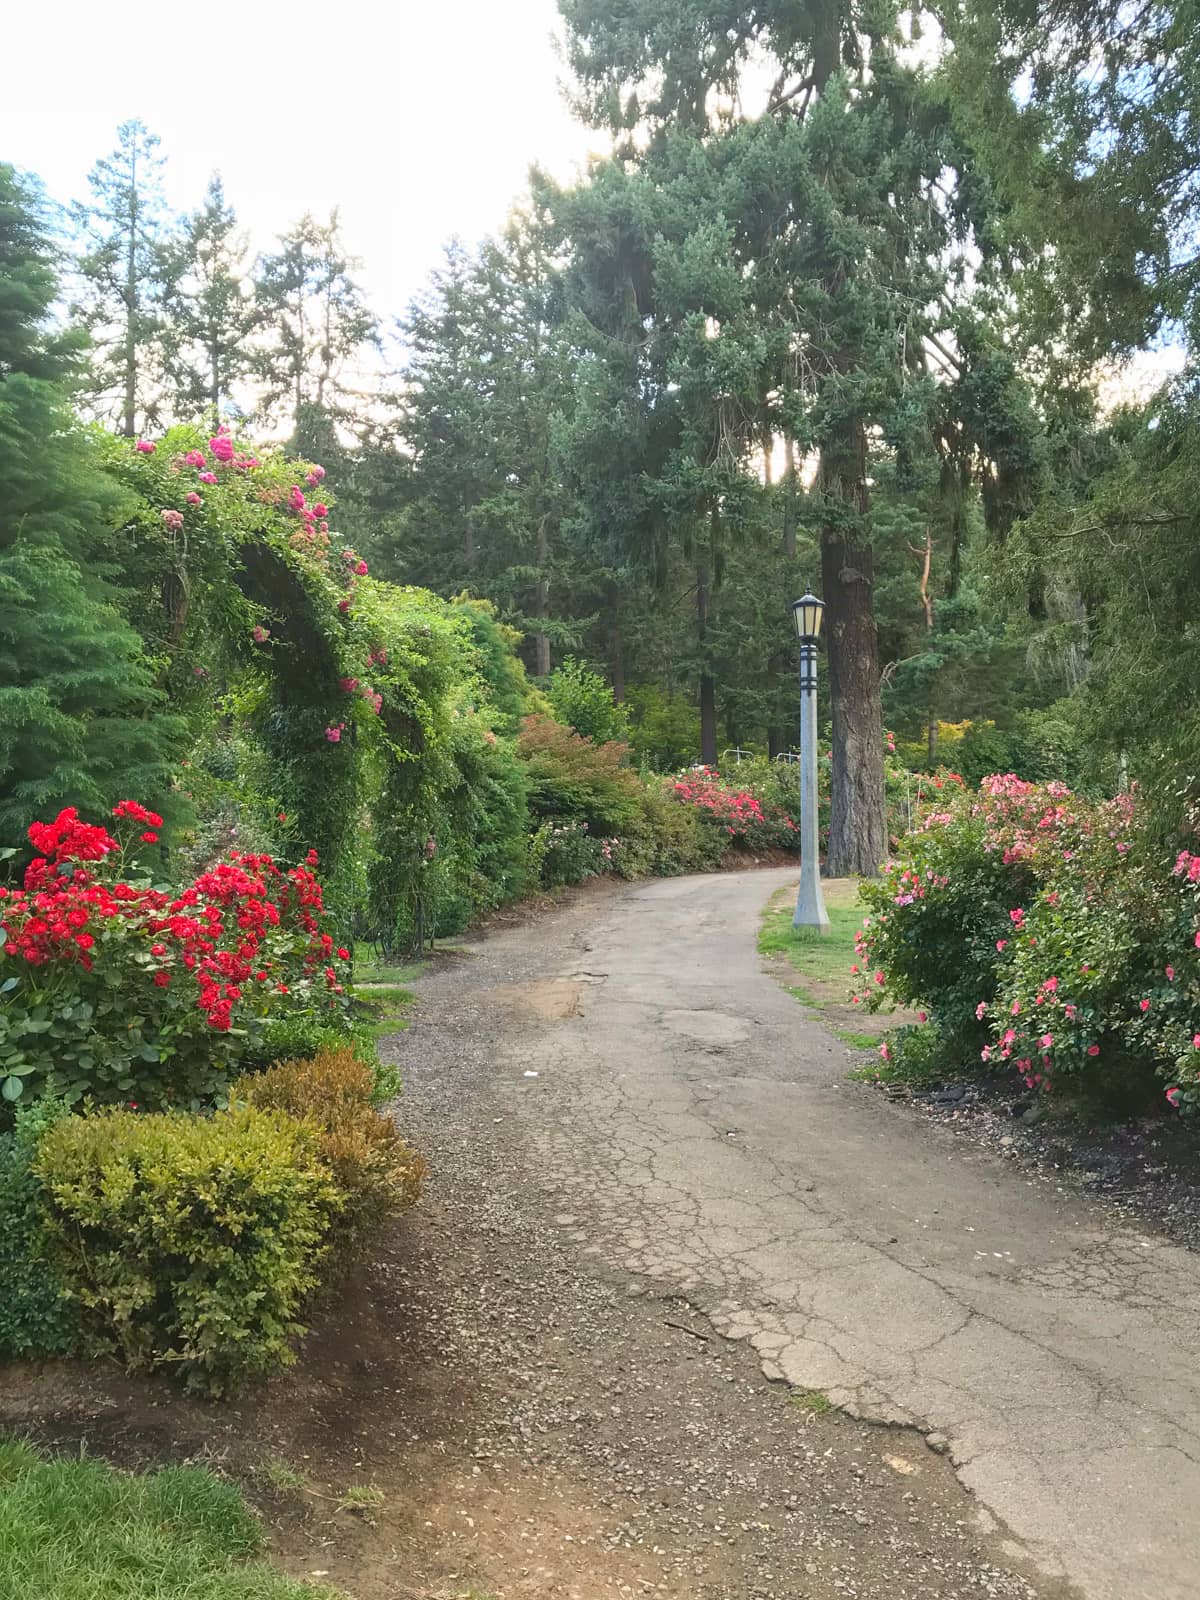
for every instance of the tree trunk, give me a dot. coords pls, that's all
(541, 642)
(129, 421)
(708, 688)
(616, 642)
(789, 499)
(858, 816)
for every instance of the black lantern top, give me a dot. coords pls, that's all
(807, 613)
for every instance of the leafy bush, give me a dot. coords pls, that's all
(583, 700)
(668, 839)
(1043, 933)
(120, 990)
(34, 1318)
(748, 822)
(375, 1171)
(562, 853)
(187, 1242)
(571, 777)
(664, 729)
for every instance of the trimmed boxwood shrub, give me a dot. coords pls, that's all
(186, 1242)
(375, 1171)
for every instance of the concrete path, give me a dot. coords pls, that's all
(700, 1130)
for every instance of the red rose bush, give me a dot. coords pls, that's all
(119, 990)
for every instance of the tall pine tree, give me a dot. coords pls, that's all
(209, 309)
(80, 718)
(121, 278)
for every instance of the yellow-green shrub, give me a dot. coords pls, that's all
(185, 1241)
(375, 1171)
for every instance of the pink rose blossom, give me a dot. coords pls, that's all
(195, 458)
(145, 447)
(320, 510)
(172, 520)
(1170, 974)
(261, 634)
(208, 477)
(361, 569)
(1046, 1041)
(1093, 1049)
(1173, 1095)
(221, 447)
(193, 499)
(1143, 1005)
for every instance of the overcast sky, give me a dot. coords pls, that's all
(418, 118)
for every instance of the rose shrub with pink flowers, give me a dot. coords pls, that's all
(1046, 937)
(119, 990)
(747, 822)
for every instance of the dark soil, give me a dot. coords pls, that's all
(1145, 1167)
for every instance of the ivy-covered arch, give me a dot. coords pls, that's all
(261, 619)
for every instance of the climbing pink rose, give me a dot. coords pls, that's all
(195, 458)
(208, 477)
(193, 499)
(1093, 1049)
(261, 634)
(173, 520)
(221, 447)
(145, 447)
(1143, 1005)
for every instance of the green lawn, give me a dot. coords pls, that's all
(823, 963)
(79, 1529)
(384, 1007)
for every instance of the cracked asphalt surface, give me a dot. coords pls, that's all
(691, 1126)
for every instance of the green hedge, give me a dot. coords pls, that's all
(185, 1242)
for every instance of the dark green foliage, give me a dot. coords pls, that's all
(34, 1319)
(81, 718)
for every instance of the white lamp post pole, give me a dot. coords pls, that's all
(810, 902)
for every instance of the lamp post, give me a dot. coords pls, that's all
(810, 902)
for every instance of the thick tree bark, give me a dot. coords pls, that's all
(858, 815)
(708, 688)
(541, 642)
(129, 421)
(616, 642)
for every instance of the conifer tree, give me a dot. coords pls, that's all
(209, 309)
(80, 722)
(120, 272)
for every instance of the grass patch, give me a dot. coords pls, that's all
(280, 1477)
(812, 1401)
(818, 958)
(80, 1529)
(362, 1498)
(384, 1008)
(856, 1041)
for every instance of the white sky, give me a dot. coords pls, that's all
(417, 118)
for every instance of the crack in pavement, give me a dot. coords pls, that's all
(695, 1121)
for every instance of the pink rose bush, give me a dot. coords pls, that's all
(1045, 936)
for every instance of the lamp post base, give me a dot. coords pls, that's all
(810, 908)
